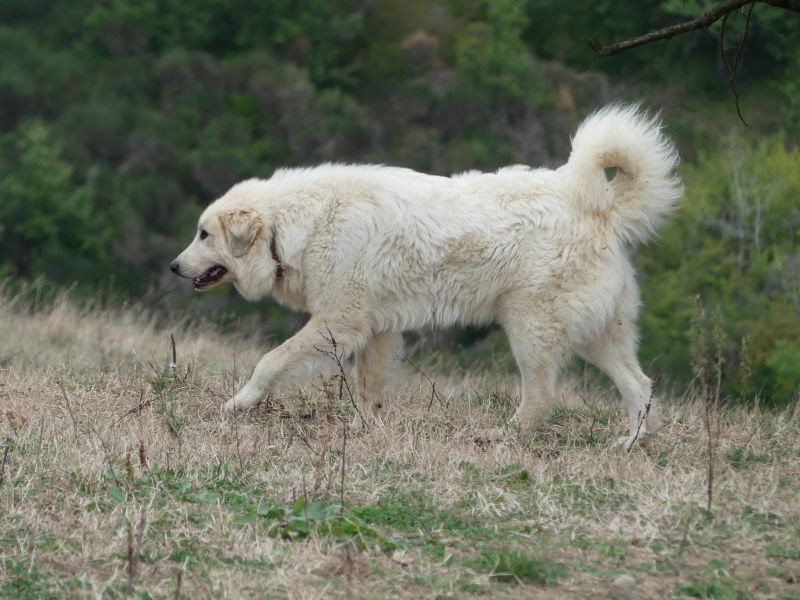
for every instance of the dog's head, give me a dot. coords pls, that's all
(233, 244)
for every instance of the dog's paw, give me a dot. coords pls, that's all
(363, 420)
(492, 434)
(526, 421)
(510, 433)
(240, 402)
(628, 442)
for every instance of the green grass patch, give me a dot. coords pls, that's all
(778, 550)
(510, 566)
(29, 581)
(701, 588)
(586, 496)
(742, 458)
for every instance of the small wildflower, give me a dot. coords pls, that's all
(173, 366)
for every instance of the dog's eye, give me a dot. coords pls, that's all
(203, 234)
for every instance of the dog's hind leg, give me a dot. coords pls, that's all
(614, 353)
(538, 343)
(373, 364)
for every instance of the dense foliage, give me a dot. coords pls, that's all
(731, 255)
(120, 119)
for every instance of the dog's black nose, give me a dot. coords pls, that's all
(175, 267)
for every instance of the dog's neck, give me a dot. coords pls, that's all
(273, 250)
(288, 288)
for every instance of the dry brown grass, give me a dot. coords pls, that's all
(101, 498)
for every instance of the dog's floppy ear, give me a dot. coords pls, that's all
(241, 229)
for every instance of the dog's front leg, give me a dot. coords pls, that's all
(307, 352)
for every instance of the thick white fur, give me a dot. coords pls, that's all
(371, 251)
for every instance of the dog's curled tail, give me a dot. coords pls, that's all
(623, 166)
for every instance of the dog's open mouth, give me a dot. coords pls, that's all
(210, 277)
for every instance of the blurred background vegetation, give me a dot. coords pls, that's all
(121, 119)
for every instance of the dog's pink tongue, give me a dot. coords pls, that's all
(215, 271)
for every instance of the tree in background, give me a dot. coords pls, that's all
(47, 222)
(736, 245)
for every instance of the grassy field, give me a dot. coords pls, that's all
(120, 476)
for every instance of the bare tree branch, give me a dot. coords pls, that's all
(702, 22)
(737, 63)
(790, 5)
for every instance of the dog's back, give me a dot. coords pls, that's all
(436, 250)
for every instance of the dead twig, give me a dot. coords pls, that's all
(143, 462)
(5, 460)
(303, 438)
(334, 354)
(292, 435)
(140, 530)
(643, 416)
(642, 419)
(134, 548)
(137, 410)
(69, 408)
(434, 394)
(107, 456)
(177, 594)
(39, 442)
(237, 438)
(752, 434)
(733, 70)
(174, 364)
(593, 411)
(15, 421)
(132, 558)
(327, 435)
(710, 445)
(344, 461)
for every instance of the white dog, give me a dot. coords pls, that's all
(371, 251)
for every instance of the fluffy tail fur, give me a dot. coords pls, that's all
(635, 199)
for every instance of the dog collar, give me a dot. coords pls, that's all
(273, 249)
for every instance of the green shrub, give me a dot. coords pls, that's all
(734, 245)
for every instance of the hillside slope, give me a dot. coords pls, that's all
(118, 472)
